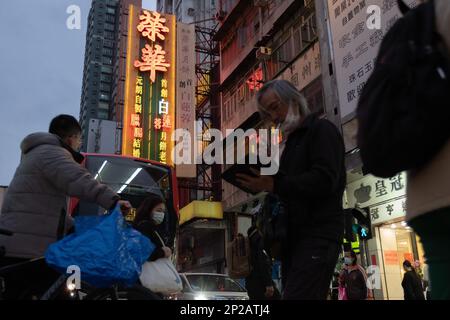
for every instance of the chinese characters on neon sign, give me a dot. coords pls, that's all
(153, 56)
(255, 82)
(136, 119)
(152, 26)
(162, 122)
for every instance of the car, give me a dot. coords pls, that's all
(210, 286)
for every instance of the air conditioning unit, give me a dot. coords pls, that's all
(191, 12)
(263, 53)
(261, 3)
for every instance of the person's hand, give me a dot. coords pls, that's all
(255, 184)
(125, 206)
(167, 252)
(269, 292)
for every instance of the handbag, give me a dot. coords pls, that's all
(161, 276)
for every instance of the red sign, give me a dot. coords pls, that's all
(391, 257)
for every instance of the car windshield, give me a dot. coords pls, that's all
(132, 179)
(213, 283)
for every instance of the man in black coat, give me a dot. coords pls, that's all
(310, 183)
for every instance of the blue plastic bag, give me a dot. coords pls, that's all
(106, 249)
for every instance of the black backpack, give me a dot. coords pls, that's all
(272, 223)
(404, 109)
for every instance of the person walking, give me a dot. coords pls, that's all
(310, 184)
(412, 284)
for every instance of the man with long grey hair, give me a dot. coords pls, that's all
(310, 184)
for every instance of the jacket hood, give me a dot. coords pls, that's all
(36, 139)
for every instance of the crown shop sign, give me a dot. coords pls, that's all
(371, 191)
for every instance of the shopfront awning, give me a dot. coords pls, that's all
(201, 210)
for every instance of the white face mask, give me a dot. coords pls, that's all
(291, 122)
(348, 261)
(158, 216)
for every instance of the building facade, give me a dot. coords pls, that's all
(102, 94)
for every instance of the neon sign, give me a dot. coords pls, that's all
(135, 120)
(153, 57)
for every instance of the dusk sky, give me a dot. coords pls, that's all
(41, 70)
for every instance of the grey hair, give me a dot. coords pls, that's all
(287, 93)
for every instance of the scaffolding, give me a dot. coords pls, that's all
(207, 184)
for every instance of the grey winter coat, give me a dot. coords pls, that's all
(32, 207)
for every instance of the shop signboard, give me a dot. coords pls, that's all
(371, 190)
(356, 37)
(388, 211)
(306, 69)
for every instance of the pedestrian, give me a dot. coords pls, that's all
(426, 282)
(259, 283)
(149, 216)
(412, 284)
(310, 183)
(354, 278)
(428, 193)
(34, 207)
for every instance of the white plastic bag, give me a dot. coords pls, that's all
(161, 276)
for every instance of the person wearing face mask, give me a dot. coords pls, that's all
(354, 278)
(49, 172)
(149, 216)
(310, 183)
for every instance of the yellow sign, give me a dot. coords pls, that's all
(201, 209)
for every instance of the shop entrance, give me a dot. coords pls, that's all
(398, 243)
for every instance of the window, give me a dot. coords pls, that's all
(242, 36)
(108, 44)
(107, 52)
(110, 18)
(104, 87)
(110, 10)
(106, 69)
(103, 105)
(103, 114)
(104, 97)
(109, 27)
(107, 61)
(106, 78)
(109, 35)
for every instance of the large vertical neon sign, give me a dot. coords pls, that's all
(151, 114)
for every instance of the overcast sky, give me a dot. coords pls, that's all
(41, 70)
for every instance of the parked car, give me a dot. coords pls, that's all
(210, 286)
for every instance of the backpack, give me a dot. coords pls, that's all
(271, 221)
(404, 109)
(238, 257)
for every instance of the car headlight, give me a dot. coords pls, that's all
(200, 296)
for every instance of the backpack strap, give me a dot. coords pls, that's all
(403, 7)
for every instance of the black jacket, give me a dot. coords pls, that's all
(260, 262)
(148, 229)
(412, 286)
(311, 181)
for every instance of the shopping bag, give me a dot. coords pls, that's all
(106, 249)
(161, 276)
(342, 293)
